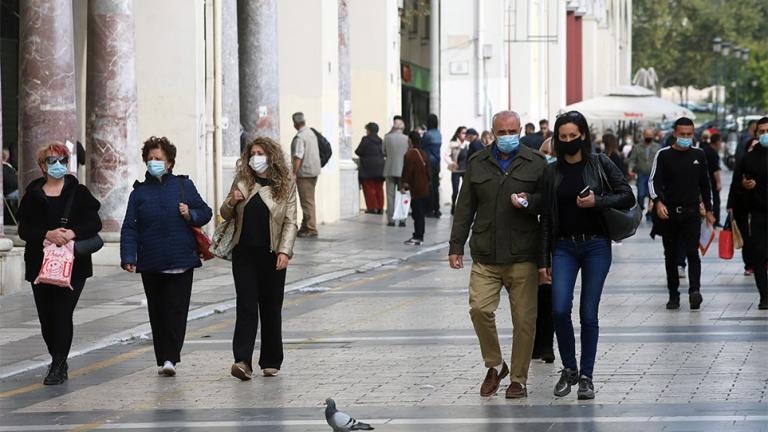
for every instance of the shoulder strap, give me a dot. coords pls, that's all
(601, 173)
(68, 208)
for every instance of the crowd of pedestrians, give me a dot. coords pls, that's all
(536, 216)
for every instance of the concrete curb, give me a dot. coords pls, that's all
(142, 332)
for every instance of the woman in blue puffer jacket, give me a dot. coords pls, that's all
(157, 241)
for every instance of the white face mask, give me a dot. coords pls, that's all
(258, 163)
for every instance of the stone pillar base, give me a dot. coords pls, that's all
(350, 189)
(11, 267)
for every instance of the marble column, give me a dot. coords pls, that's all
(259, 81)
(230, 76)
(349, 195)
(112, 144)
(46, 81)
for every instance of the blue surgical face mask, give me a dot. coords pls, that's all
(57, 170)
(684, 142)
(508, 143)
(764, 140)
(156, 168)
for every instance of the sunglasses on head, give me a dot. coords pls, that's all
(50, 160)
(570, 114)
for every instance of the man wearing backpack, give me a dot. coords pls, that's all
(305, 158)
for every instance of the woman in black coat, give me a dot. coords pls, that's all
(371, 172)
(40, 218)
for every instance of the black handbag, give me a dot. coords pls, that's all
(86, 246)
(620, 224)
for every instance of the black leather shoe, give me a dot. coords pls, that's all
(695, 300)
(548, 357)
(674, 302)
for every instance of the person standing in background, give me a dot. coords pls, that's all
(640, 163)
(712, 152)
(475, 143)
(371, 172)
(531, 138)
(395, 146)
(416, 172)
(305, 159)
(431, 143)
(457, 162)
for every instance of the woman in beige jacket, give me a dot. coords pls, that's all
(262, 201)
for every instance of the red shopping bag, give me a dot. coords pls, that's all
(57, 264)
(725, 242)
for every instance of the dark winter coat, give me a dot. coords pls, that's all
(35, 221)
(371, 152)
(155, 237)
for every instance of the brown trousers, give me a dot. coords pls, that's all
(306, 188)
(522, 282)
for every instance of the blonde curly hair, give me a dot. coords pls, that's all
(278, 169)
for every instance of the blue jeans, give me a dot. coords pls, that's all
(642, 189)
(593, 257)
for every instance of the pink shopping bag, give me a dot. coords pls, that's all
(57, 264)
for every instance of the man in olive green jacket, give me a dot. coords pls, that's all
(500, 202)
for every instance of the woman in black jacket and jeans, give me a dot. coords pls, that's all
(574, 238)
(40, 218)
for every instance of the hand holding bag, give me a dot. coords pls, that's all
(620, 224)
(57, 264)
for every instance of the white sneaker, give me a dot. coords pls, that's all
(168, 369)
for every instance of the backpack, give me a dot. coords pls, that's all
(324, 146)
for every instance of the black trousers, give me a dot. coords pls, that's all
(716, 204)
(168, 305)
(260, 289)
(682, 228)
(545, 330)
(759, 236)
(55, 306)
(433, 205)
(741, 216)
(418, 212)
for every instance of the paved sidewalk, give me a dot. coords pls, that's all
(113, 309)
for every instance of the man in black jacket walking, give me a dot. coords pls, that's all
(679, 185)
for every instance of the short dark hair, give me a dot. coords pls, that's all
(161, 143)
(715, 138)
(530, 126)
(752, 122)
(763, 120)
(432, 121)
(397, 117)
(543, 121)
(580, 121)
(682, 121)
(372, 127)
(415, 138)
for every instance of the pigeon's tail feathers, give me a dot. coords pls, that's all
(361, 426)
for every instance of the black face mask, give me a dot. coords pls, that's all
(571, 147)
(648, 140)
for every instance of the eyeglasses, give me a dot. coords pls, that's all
(50, 160)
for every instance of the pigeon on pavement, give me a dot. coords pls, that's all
(340, 421)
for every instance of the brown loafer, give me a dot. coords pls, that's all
(493, 380)
(516, 391)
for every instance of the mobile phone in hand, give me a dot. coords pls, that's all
(584, 192)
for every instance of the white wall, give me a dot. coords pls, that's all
(375, 61)
(170, 74)
(309, 79)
